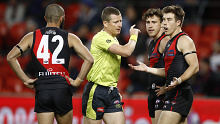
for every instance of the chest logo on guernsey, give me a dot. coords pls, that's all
(108, 41)
(50, 72)
(50, 32)
(170, 53)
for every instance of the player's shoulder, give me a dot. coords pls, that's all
(29, 35)
(166, 38)
(185, 38)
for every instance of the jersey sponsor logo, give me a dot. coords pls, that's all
(153, 86)
(50, 32)
(157, 101)
(165, 106)
(167, 102)
(100, 109)
(118, 106)
(173, 102)
(50, 72)
(116, 101)
(108, 41)
(170, 53)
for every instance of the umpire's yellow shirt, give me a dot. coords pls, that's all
(106, 67)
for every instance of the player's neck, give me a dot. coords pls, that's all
(52, 25)
(178, 30)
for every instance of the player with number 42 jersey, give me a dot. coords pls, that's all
(50, 53)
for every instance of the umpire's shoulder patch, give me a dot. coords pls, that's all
(108, 41)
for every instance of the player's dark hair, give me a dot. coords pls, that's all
(151, 12)
(53, 13)
(177, 11)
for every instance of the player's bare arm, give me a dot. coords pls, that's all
(186, 46)
(127, 49)
(143, 67)
(24, 44)
(84, 53)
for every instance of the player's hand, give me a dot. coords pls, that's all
(73, 82)
(134, 31)
(160, 90)
(30, 83)
(140, 67)
(173, 84)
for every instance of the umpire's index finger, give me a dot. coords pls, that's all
(133, 26)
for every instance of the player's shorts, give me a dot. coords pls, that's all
(155, 103)
(98, 100)
(179, 100)
(58, 101)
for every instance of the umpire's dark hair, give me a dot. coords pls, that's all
(53, 13)
(108, 11)
(151, 12)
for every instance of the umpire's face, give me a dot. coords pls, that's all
(113, 27)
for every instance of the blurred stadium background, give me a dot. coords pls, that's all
(82, 17)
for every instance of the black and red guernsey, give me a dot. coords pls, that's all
(156, 61)
(175, 63)
(51, 54)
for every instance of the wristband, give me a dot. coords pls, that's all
(133, 37)
(80, 79)
(179, 80)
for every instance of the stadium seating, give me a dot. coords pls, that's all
(2, 11)
(212, 30)
(16, 32)
(193, 30)
(14, 84)
(72, 10)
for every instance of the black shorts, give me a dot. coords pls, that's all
(155, 103)
(98, 100)
(58, 101)
(179, 100)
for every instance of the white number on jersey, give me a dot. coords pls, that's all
(42, 51)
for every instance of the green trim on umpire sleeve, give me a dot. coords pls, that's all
(90, 113)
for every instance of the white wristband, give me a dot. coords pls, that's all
(80, 79)
(179, 80)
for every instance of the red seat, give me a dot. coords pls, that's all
(1, 83)
(206, 41)
(3, 28)
(123, 81)
(212, 30)
(203, 52)
(72, 14)
(2, 10)
(13, 83)
(193, 30)
(3, 32)
(16, 32)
